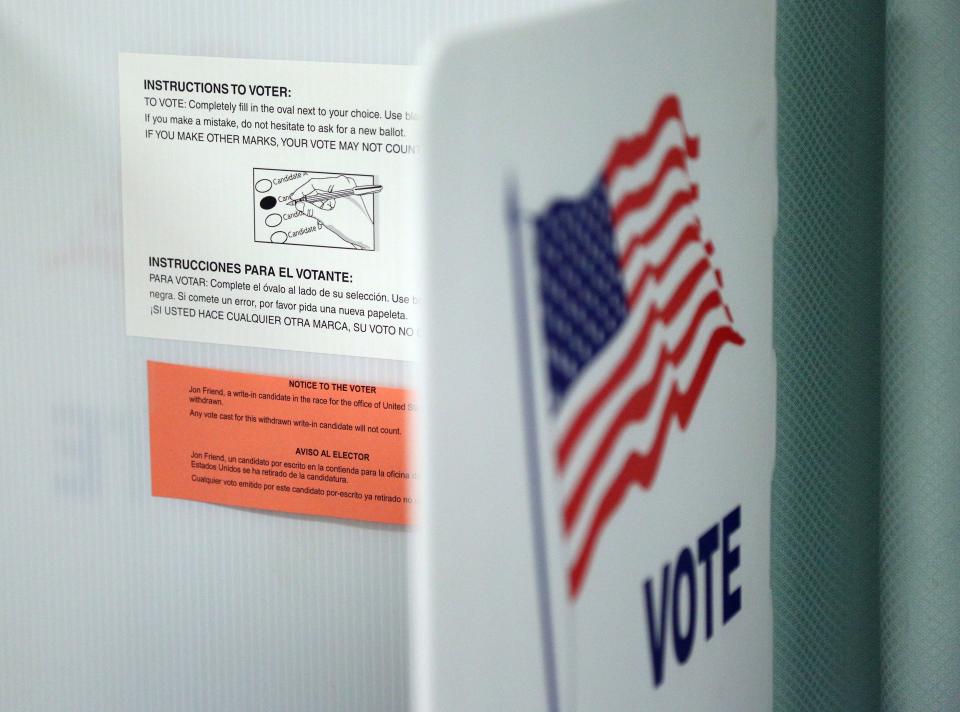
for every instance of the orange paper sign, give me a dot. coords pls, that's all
(287, 444)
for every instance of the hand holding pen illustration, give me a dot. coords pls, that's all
(339, 205)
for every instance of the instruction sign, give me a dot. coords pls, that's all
(265, 203)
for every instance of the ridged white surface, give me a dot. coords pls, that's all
(111, 599)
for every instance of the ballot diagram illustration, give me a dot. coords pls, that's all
(315, 208)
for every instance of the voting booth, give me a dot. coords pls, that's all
(547, 355)
(596, 478)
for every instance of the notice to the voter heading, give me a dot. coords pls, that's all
(266, 203)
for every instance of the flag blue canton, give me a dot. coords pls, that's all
(582, 293)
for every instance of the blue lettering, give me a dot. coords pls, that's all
(707, 546)
(678, 592)
(731, 561)
(683, 641)
(657, 633)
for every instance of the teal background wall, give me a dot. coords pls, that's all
(920, 499)
(827, 336)
(866, 497)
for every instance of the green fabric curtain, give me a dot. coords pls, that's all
(866, 496)
(920, 496)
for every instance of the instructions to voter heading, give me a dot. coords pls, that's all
(266, 203)
(285, 444)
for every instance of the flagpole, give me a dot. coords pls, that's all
(548, 639)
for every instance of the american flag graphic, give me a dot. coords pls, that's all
(633, 322)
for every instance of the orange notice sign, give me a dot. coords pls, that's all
(286, 444)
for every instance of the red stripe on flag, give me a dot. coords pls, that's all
(629, 151)
(675, 158)
(642, 469)
(690, 234)
(666, 314)
(680, 199)
(636, 408)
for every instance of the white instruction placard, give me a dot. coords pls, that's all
(265, 203)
